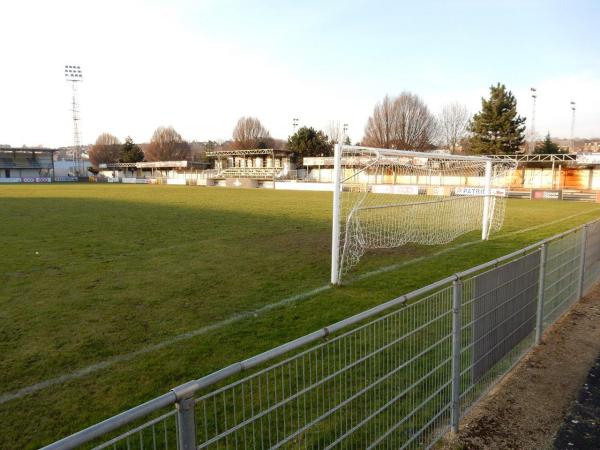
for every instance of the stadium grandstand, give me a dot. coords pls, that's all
(574, 176)
(26, 165)
(234, 168)
(260, 164)
(157, 172)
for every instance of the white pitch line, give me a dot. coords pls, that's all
(19, 393)
(181, 337)
(393, 267)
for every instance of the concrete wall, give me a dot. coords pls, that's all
(300, 186)
(23, 173)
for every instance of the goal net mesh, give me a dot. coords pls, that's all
(391, 197)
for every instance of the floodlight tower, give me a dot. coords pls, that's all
(573, 126)
(345, 129)
(532, 131)
(294, 124)
(73, 75)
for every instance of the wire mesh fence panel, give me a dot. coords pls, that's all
(384, 384)
(159, 433)
(562, 275)
(498, 322)
(592, 256)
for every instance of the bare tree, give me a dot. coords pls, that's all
(403, 122)
(453, 124)
(167, 145)
(381, 126)
(250, 133)
(107, 149)
(335, 131)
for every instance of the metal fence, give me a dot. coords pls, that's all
(398, 375)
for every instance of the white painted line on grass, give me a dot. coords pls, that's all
(126, 357)
(393, 267)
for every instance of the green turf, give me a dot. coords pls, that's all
(90, 272)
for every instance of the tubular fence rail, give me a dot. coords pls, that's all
(398, 375)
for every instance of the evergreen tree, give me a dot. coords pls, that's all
(309, 142)
(548, 147)
(130, 152)
(497, 128)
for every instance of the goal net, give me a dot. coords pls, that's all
(388, 198)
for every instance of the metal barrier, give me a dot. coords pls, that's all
(397, 375)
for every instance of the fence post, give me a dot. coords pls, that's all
(582, 262)
(456, 348)
(539, 323)
(186, 424)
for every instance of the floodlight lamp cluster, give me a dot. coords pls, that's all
(73, 73)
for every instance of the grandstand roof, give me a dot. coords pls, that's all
(248, 152)
(566, 159)
(154, 165)
(26, 149)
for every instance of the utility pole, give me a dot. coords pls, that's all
(532, 130)
(572, 127)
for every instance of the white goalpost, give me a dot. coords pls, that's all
(388, 198)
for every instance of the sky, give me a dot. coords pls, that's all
(200, 65)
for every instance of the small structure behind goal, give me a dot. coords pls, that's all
(389, 198)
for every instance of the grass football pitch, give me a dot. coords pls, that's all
(113, 294)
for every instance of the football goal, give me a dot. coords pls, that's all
(389, 198)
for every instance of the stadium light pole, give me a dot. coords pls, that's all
(73, 75)
(345, 128)
(532, 131)
(572, 126)
(294, 124)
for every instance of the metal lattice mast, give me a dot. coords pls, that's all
(73, 75)
(532, 131)
(573, 127)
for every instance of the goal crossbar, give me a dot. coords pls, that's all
(412, 153)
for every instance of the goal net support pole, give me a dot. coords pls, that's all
(487, 192)
(335, 229)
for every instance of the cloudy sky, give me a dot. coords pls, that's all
(200, 65)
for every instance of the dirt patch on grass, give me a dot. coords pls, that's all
(527, 408)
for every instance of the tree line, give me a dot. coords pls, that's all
(167, 144)
(398, 122)
(405, 122)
